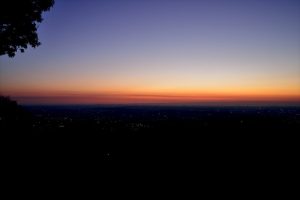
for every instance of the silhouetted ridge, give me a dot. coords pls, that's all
(14, 120)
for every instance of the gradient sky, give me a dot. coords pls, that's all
(160, 51)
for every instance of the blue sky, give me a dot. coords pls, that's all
(157, 46)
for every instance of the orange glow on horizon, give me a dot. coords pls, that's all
(145, 94)
(173, 97)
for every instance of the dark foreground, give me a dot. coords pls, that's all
(93, 134)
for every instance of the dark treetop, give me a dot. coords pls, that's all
(18, 24)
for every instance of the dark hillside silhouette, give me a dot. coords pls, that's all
(14, 120)
(18, 24)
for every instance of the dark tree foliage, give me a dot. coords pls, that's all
(18, 24)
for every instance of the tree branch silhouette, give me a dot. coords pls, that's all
(18, 24)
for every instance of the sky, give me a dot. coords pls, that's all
(160, 51)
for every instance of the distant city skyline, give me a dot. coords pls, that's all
(160, 51)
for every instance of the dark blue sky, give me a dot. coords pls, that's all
(108, 46)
